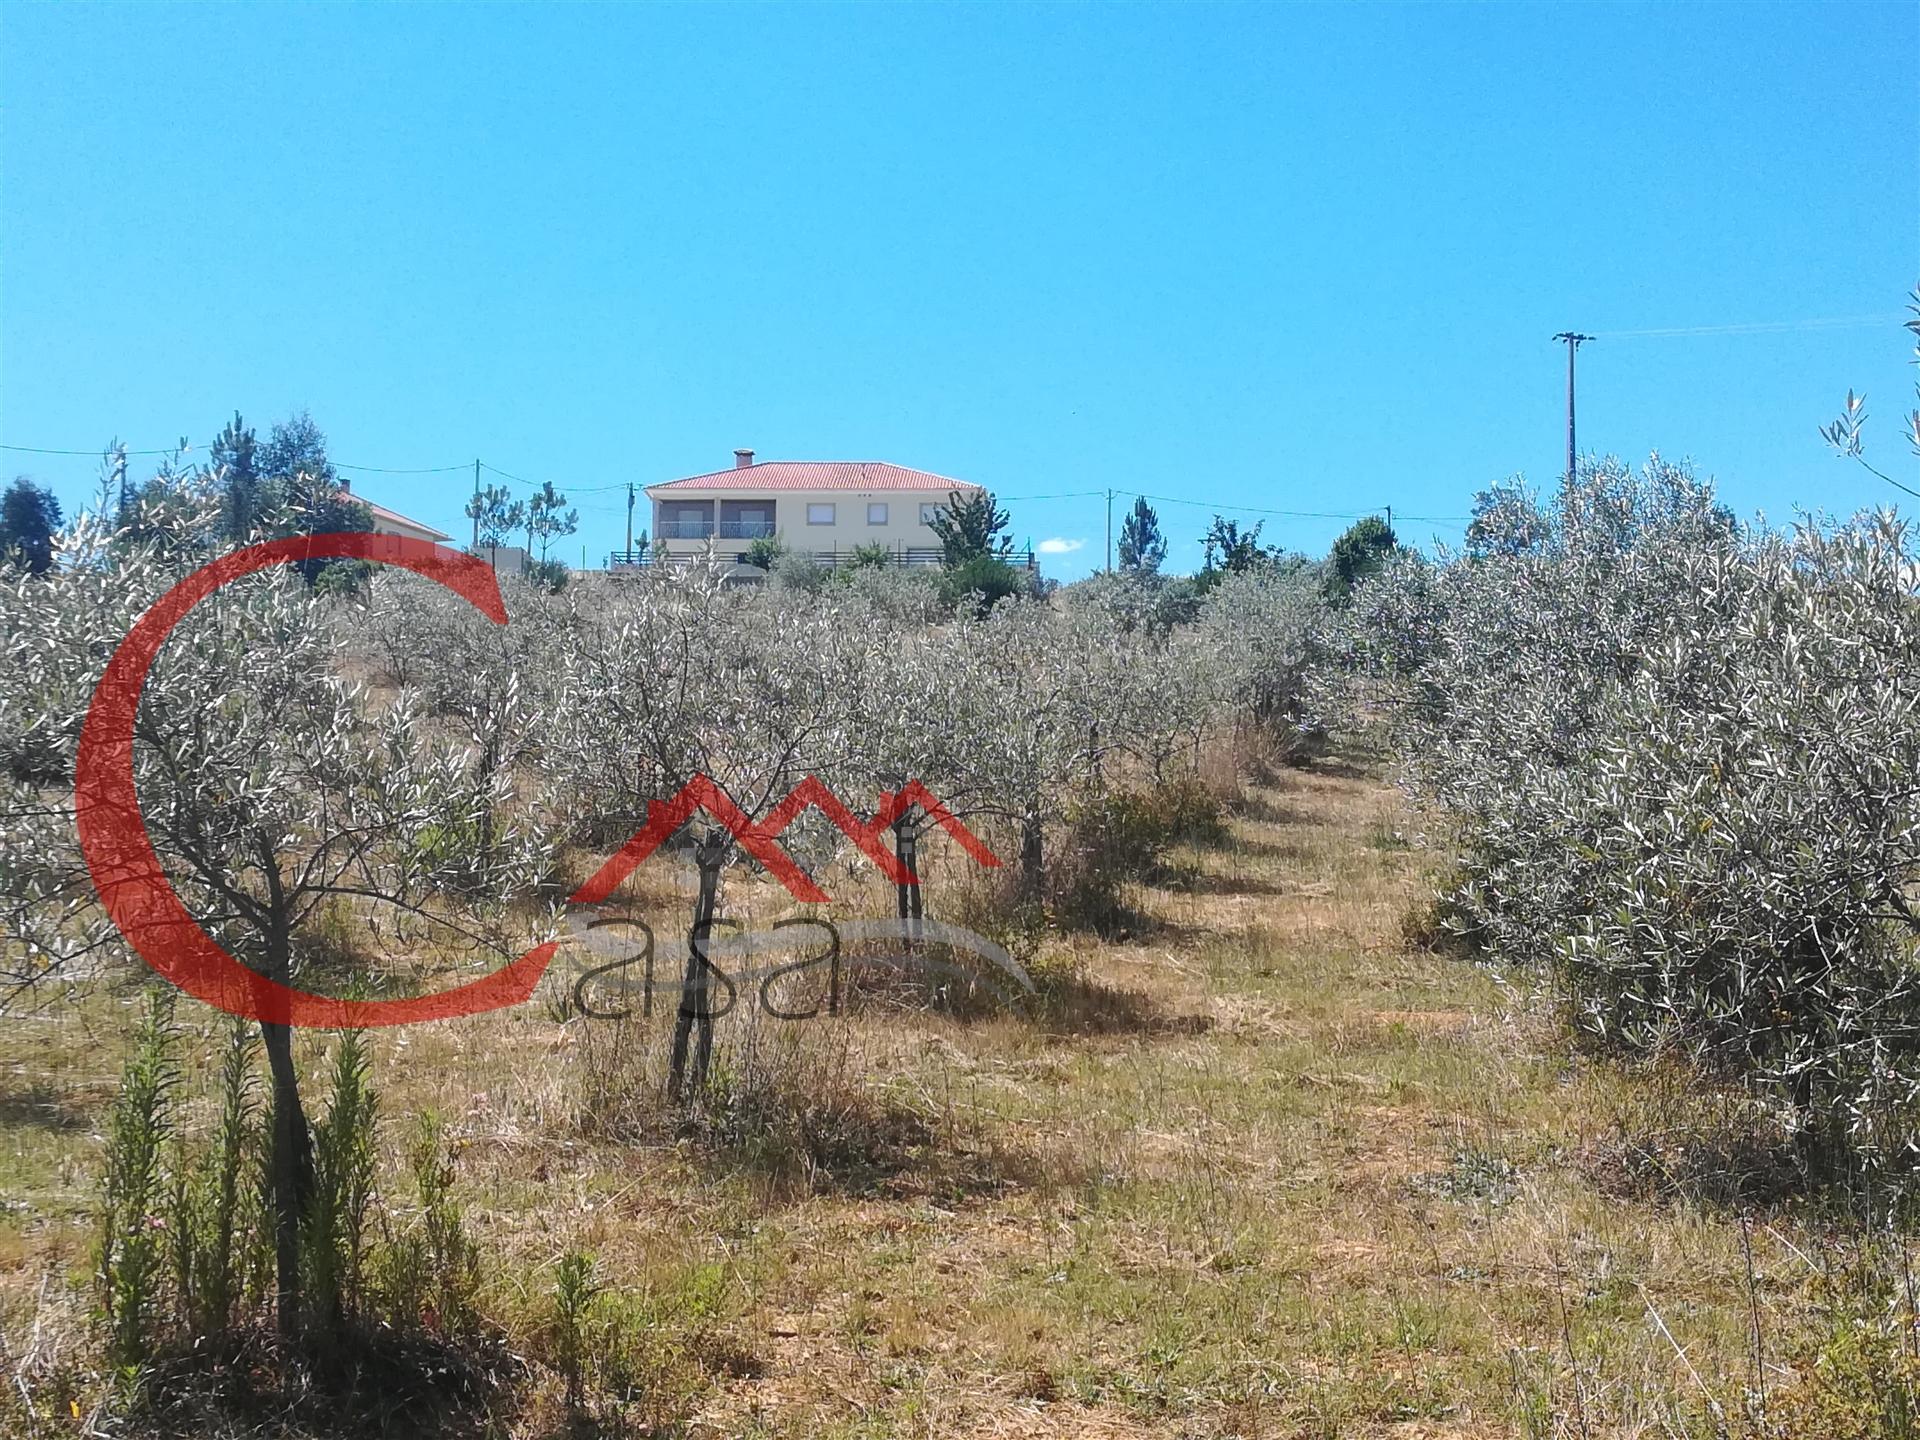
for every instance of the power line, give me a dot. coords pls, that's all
(1248, 509)
(1765, 327)
(383, 470)
(504, 475)
(1219, 505)
(90, 454)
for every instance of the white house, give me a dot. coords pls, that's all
(827, 508)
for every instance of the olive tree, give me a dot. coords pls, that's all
(673, 675)
(271, 790)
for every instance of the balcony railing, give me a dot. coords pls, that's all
(725, 530)
(685, 529)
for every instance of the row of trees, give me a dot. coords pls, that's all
(1228, 548)
(1675, 760)
(544, 518)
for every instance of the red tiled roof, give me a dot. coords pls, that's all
(854, 475)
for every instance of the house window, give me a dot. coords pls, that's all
(877, 513)
(820, 514)
(928, 509)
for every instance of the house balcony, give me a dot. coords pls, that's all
(725, 520)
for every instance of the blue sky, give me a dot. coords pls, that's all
(1292, 257)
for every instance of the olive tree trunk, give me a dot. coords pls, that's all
(291, 1157)
(693, 1027)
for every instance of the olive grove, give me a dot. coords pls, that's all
(1674, 760)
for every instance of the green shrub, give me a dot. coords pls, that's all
(763, 552)
(549, 575)
(428, 1269)
(980, 583)
(798, 570)
(333, 1239)
(134, 1190)
(1124, 835)
(574, 1291)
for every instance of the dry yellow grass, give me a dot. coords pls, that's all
(1261, 1169)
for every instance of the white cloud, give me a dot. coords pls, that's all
(1058, 546)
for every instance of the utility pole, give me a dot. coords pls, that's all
(1573, 343)
(1109, 532)
(629, 555)
(476, 506)
(1389, 519)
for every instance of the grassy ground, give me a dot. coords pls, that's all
(1262, 1168)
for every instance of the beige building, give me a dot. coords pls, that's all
(827, 508)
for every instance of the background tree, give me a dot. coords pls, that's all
(311, 498)
(969, 526)
(763, 552)
(29, 518)
(548, 518)
(1229, 550)
(175, 511)
(981, 582)
(233, 458)
(1506, 522)
(111, 493)
(1142, 547)
(1358, 553)
(499, 515)
(297, 447)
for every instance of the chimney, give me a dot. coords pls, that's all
(742, 459)
(346, 484)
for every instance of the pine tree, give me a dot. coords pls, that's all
(1142, 547)
(234, 460)
(498, 515)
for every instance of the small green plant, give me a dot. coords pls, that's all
(431, 1269)
(575, 1286)
(1859, 1379)
(133, 1249)
(212, 1224)
(333, 1240)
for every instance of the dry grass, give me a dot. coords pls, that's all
(1259, 1169)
